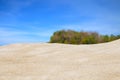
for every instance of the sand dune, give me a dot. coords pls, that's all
(47, 61)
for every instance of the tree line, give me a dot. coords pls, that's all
(82, 37)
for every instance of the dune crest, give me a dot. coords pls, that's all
(47, 61)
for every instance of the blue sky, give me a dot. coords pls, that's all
(36, 20)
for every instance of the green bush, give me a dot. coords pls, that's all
(74, 37)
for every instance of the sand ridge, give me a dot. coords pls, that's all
(51, 61)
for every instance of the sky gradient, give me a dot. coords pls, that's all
(36, 20)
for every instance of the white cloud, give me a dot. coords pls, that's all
(11, 35)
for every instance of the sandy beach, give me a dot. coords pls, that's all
(52, 61)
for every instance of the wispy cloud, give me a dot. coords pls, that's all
(13, 7)
(13, 35)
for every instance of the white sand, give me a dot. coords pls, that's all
(60, 62)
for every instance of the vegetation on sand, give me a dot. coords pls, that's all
(82, 37)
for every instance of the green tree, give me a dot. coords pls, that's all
(74, 37)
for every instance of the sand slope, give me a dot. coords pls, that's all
(60, 62)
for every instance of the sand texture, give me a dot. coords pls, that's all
(47, 61)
